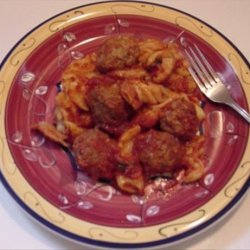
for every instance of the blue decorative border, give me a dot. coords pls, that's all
(91, 242)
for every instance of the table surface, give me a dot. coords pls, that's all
(17, 17)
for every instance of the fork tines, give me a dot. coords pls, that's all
(200, 68)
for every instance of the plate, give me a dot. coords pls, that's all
(38, 173)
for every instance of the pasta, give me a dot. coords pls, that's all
(75, 77)
(126, 141)
(130, 111)
(194, 159)
(137, 93)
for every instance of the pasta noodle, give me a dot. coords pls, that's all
(137, 93)
(193, 160)
(75, 77)
(126, 141)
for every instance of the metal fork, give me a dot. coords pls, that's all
(209, 82)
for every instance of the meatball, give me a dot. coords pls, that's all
(107, 105)
(179, 118)
(95, 153)
(158, 151)
(117, 53)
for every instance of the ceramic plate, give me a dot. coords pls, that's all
(38, 173)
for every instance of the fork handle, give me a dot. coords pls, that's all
(240, 110)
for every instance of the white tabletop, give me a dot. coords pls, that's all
(17, 17)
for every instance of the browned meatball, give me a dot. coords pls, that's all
(95, 153)
(158, 151)
(117, 52)
(179, 118)
(107, 105)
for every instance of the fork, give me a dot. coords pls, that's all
(209, 81)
